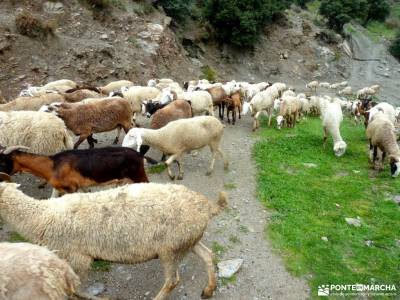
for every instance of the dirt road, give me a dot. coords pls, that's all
(237, 233)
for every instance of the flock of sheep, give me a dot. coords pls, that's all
(133, 223)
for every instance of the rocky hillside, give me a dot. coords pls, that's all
(135, 41)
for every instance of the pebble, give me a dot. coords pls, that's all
(396, 199)
(324, 238)
(368, 243)
(104, 36)
(354, 222)
(228, 268)
(96, 289)
(310, 165)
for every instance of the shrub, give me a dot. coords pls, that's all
(176, 9)
(241, 22)
(339, 12)
(29, 25)
(208, 73)
(395, 46)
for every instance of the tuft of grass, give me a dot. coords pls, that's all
(230, 280)
(208, 73)
(243, 229)
(313, 6)
(234, 239)
(377, 30)
(31, 26)
(230, 186)
(304, 206)
(157, 169)
(218, 251)
(15, 237)
(101, 266)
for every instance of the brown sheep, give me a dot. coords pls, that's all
(78, 94)
(219, 96)
(232, 103)
(102, 116)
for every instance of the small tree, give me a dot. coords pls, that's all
(177, 9)
(395, 46)
(378, 10)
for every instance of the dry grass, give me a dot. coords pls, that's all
(30, 25)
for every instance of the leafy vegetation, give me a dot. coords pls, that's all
(15, 237)
(101, 265)
(177, 9)
(208, 73)
(310, 203)
(395, 46)
(340, 12)
(241, 22)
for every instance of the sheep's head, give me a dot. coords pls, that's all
(339, 148)
(279, 121)
(133, 139)
(394, 165)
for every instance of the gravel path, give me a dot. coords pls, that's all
(240, 230)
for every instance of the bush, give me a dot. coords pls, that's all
(241, 22)
(177, 9)
(395, 46)
(208, 73)
(29, 25)
(339, 12)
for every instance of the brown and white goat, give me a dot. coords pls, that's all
(102, 116)
(233, 103)
(71, 170)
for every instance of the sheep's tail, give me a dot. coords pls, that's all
(221, 204)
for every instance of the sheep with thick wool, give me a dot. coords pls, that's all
(31, 103)
(386, 109)
(381, 135)
(263, 102)
(41, 132)
(288, 112)
(33, 272)
(201, 102)
(136, 95)
(130, 224)
(179, 137)
(115, 86)
(332, 117)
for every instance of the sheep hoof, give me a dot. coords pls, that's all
(180, 177)
(209, 172)
(171, 177)
(207, 293)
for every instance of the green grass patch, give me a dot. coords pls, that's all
(101, 266)
(15, 237)
(234, 239)
(157, 169)
(230, 280)
(313, 6)
(377, 30)
(308, 203)
(230, 186)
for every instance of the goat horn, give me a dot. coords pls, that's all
(5, 177)
(8, 150)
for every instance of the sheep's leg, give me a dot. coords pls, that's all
(371, 152)
(169, 161)
(55, 193)
(269, 111)
(117, 137)
(180, 166)
(255, 122)
(227, 115)
(170, 265)
(207, 256)
(82, 137)
(226, 162)
(211, 168)
(325, 137)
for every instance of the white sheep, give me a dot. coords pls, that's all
(201, 102)
(375, 87)
(263, 102)
(313, 85)
(324, 85)
(288, 93)
(281, 87)
(137, 94)
(332, 117)
(130, 224)
(179, 137)
(384, 107)
(31, 103)
(115, 86)
(347, 91)
(397, 113)
(366, 92)
(335, 86)
(42, 133)
(33, 272)
(288, 112)
(381, 135)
